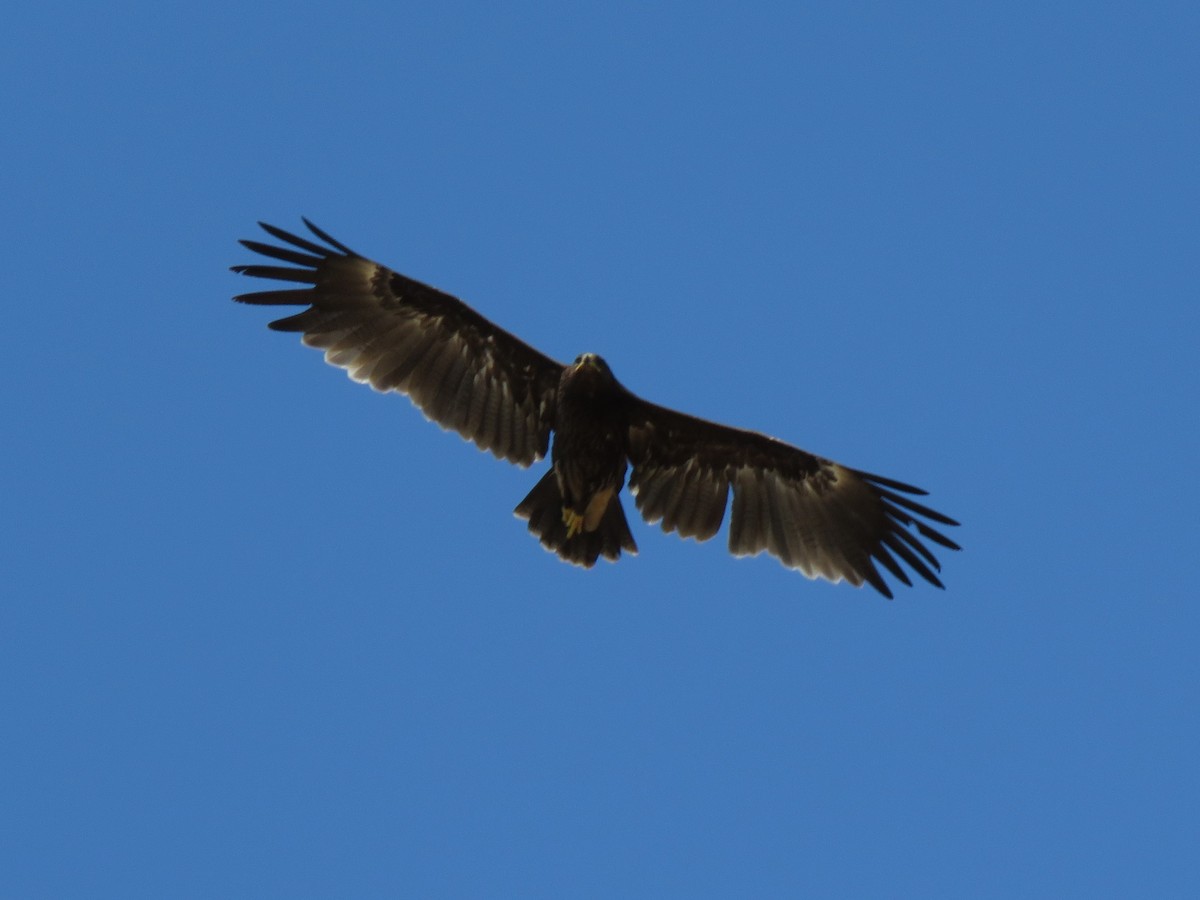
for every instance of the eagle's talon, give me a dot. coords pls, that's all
(573, 521)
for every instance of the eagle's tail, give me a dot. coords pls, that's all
(544, 510)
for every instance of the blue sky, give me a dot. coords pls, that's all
(264, 632)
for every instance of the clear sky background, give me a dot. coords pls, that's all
(264, 632)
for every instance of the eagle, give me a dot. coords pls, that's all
(470, 376)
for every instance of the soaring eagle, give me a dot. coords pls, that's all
(466, 374)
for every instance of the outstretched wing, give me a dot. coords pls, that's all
(397, 334)
(814, 515)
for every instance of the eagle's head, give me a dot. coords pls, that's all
(592, 362)
(590, 376)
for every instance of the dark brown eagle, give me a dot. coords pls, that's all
(468, 375)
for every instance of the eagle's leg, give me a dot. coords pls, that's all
(573, 521)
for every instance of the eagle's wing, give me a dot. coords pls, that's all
(397, 334)
(814, 515)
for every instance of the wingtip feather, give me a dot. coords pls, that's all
(323, 235)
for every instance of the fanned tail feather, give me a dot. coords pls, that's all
(543, 507)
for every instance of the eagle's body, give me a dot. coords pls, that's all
(576, 509)
(469, 375)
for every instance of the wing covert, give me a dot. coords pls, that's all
(397, 334)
